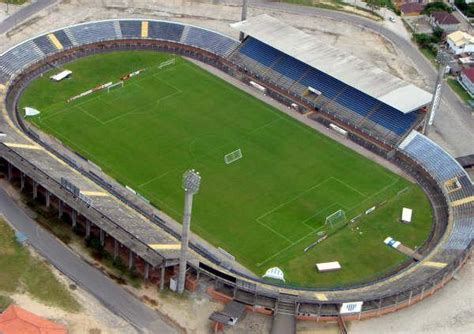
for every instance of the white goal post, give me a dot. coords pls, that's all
(169, 62)
(233, 156)
(115, 85)
(336, 218)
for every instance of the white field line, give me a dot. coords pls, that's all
(292, 199)
(350, 187)
(274, 231)
(394, 181)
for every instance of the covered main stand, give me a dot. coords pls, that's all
(339, 64)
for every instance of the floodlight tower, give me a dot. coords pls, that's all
(191, 182)
(443, 59)
(245, 5)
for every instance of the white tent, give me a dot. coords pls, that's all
(31, 111)
(275, 273)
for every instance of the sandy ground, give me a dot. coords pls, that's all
(358, 41)
(450, 310)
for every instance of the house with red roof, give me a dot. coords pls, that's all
(412, 8)
(16, 320)
(466, 79)
(444, 20)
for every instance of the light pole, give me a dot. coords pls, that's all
(243, 17)
(191, 182)
(443, 59)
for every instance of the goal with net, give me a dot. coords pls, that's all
(336, 219)
(233, 156)
(115, 86)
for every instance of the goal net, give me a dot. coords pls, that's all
(115, 86)
(233, 156)
(336, 219)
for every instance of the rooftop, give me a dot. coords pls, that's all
(339, 64)
(17, 320)
(444, 18)
(412, 7)
(469, 73)
(460, 38)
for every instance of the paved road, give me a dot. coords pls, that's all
(116, 299)
(453, 127)
(23, 14)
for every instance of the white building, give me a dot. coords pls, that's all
(460, 42)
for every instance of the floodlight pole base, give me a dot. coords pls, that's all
(188, 204)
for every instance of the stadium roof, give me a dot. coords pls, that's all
(340, 64)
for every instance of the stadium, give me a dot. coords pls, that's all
(146, 101)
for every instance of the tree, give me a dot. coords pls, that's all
(374, 4)
(437, 34)
(437, 6)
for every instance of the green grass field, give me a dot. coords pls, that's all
(264, 208)
(22, 273)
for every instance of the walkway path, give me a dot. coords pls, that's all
(115, 298)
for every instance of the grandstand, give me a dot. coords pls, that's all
(36, 49)
(358, 105)
(349, 86)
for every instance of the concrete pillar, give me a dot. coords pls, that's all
(10, 172)
(162, 277)
(116, 248)
(22, 181)
(88, 228)
(188, 204)
(35, 190)
(147, 271)
(130, 259)
(102, 237)
(379, 307)
(60, 209)
(74, 218)
(422, 292)
(47, 196)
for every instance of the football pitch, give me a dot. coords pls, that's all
(263, 208)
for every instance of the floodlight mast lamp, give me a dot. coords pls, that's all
(191, 182)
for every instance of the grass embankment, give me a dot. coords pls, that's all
(458, 89)
(20, 272)
(14, 2)
(264, 208)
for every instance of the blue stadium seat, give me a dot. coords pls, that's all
(131, 29)
(211, 41)
(260, 52)
(63, 39)
(93, 32)
(45, 44)
(331, 88)
(165, 30)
